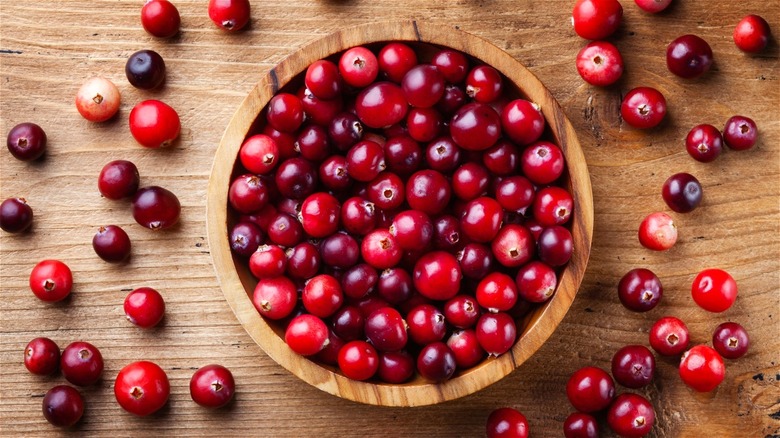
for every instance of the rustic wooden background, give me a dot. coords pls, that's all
(48, 48)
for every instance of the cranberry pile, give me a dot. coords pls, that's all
(400, 212)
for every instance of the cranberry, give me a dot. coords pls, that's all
(631, 415)
(643, 107)
(51, 280)
(497, 292)
(284, 230)
(752, 34)
(470, 181)
(230, 15)
(323, 80)
(481, 219)
(501, 158)
(507, 423)
(475, 127)
(358, 67)
(145, 69)
(596, 19)
(340, 250)
(160, 18)
(142, 388)
(212, 386)
(442, 154)
(261, 218)
(740, 133)
(275, 298)
(42, 356)
(81, 363)
(579, 425)
(513, 246)
(306, 335)
(653, 6)
(496, 332)
(702, 368)
(318, 111)
(395, 60)
(600, 63)
(437, 275)
(640, 290)
(669, 336)
(26, 141)
(426, 324)
(154, 124)
(359, 280)
(112, 244)
(714, 290)
(313, 143)
(454, 97)
(98, 99)
(259, 154)
(348, 323)
(688, 56)
(446, 233)
(682, 192)
(380, 249)
(365, 160)
(284, 140)
(248, 194)
(730, 340)
(424, 124)
(484, 84)
(322, 296)
(555, 245)
(590, 389)
(358, 216)
(412, 230)
(423, 86)
(436, 362)
(633, 366)
(369, 304)
(536, 282)
(358, 360)
(156, 208)
(330, 354)
(462, 311)
(428, 191)
(345, 130)
(452, 64)
(285, 112)
(704, 143)
(386, 329)
(523, 122)
(118, 179)
(553, 206)
(296, 178)
(381, 104)
(476, 260)
(466, 348)
(320, 214)
(402, 155)
(63, 406)
(395, 366)
(658, 232)
(144, 307)
(333, 173)
(15, 215)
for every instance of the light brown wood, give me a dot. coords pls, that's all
(48, 48)
(238, 283)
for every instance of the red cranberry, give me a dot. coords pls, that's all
(284, 230)
(513, 246)
(386, 191)
(81, 363)
(714, 290)
(402, 155)
(631, 415)
(318, 111)
(395, 60)
(466, 348)
(156, 208)
(303, 261)
(98, 100)
(63, 406)
(26, 141)
(412, 229)
(386, 329)
(306, 335)
(436, 362)
(395, 366)
(740, 133)
(752, 34)
(144, 307)
(496, 333)
(160, 18)
(118, 179)
(345, 130)
(658, 232)
(470, 181)
(112, 244)
(484, 84)
(476, 260)
(145, 69)
(497, 292)
(501, 158)
(640, 290)
(230, 15)
(482, 219)
(688, 56)
(333, 173)
(358, 67)
(423, 86)
(339, 250)
(600, 63)
(446, 233)
(730, 340)
(322, 296)
(424, 124)
(154, 124)
(212, 386)
(542, 162)
(596, 19)
(320, 214)
(579, 425)
(475, 127)
(259, 154)
(395, 285)
(536, 282)
(359, 280)
(285, 112)
(442, 154)
(51, 280)
(682, 192)
(507, 423)
(381, 104)
(42, 356)
(633, 366)
(142, 388)
(15, 215)
(323, 80)
(275, 298)
(428, 191)
(285, 141)
(437, 275)
(248, 194)
(553, 206)
(358, 360)
(296, 178)
(653, 6)
(452, 64)
(643, 107)
(522, 121)
(704, 143)
(380, 249)
(365, 160)
(702, 368)
(669, 336)
(426, 324)
(462, 311)
(358, 216)
(348, 323)
(590, 389)
(454, 97)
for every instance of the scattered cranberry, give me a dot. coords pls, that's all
(579, 425)
(26, 141)
(643, 107)
(740, 133)
(145, 69)
(682, 192)
(112, 244)
(42, 356)
(640, 290)
(142, 388)
(156, 208)
(81, 363)
(358, 67)
(730, 340)
(669, 336)
(653, 6)
(212, 386)
(154, 124)
(144, 307)
(702, 368)
(230, 15)
(631, 415)
(358, 360)
(658, 232)
(15, 215)
(596, 19)
(704, 143)
(63, 406)
(633, 366)
(118, 179)
(507, 423)
(752, 34)
(160, 18)
(714, 290)
(600, 63)
(97, 100)
(51, 280)
(590, 389)
(688, 56)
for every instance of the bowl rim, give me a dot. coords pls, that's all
(536, 331)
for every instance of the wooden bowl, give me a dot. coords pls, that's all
(237, 283)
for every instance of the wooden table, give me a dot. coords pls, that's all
(49, 48)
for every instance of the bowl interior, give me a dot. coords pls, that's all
(237, 282)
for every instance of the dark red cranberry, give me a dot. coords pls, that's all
(446, 234)
(688, 56)
(643, 107)
(358, 216)
(466, 348)
(633, 366)
(428, 191)
(740, 133)
(320, 215)
(507, 423)
(339, 250)
(496, 332)
(248, 194)
(323, 80)
(484, 84)
(424, 124)
(284, 230)
(542, 162)
(682, 192)
(470, 181)
(752, 34)
(475, 127)
(112, 244)
(26, 141)
(380, 249)
(453, 65)
(303, 261)
(536, 282)
(333, 173)
(81, 363)
(63, 406)
(640, 290)
(730, 340)
(285, 112)
(229, 15)
(358, 360)
(395, 60)
(212, 386)
(596, 19)
(522, 121)
(437, 275)
(590, 389)
(513, 246)
(412, 229)
(555, 245)
(296, 178)
(381, 104)
(386, 329)
(631, 415)
(359, 280)
(156, 208)
(395, 285)
(515, 193)
(284, 141)
(502, 158)
(426, 324)
(436, 362)
(423, 86)
(42, 356)
(704, 143)
(275, 298)
(145, 69)
(313, 143)
(462, 311)
(348, 323)
(15, 215)
(442, 154)
(476, 260)
(579, 425)
(600, 63)
(365, 160)
(318, 111)
(403, 155)
(345, 130)
(482, 219)
(358, 67)
(118, 179)
(395, 366)
(369, 304)
(669, 336)
(245, 238)
(454, 97)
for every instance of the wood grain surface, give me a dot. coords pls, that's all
(48, 48)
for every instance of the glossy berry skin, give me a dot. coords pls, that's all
(412, 229)
(81, 363)
(395, 60)
(522, 121)
(395, 366)
(112, 244)
(590, 389)
(702, 368)
(475, 127)
(688, 56)
(596, 19)
(730, 340)
(542, 162)
(306, 335)
(600, 63)
(320, 214)
(482, 219)
(230, 15)
(15, 215)
(63, 406)
(682, 192)
(145, 69)
(653, 6)
(633, 366)
(322, 295)
(553, 206)
(669, 336)
(484, 84)
(118, 179)
(536, 282)
(740, 133)
(555, 245)
(476, 260)
(465, 346)
(245, 238)
(275, 298)
(496, 333)
(704, 143)
(452, 64)
(156, 208)
(142, 388)
(507, 423)
(752, 34)
(296, 178)
(380, 249)
(436, 362)
(658, 232)
(259, 154)
(160, 18)
(154, 124)
(323, 80)
(42, 356)
(714, 290)
(381, 104)
(269, 261)
(579, 425)
(144, 307)
(51, 280)
(386, 330)
(497, 292)
(462, 311)
(358, 67)
(26, 141)
(513, 246)
(212, 386)
(428, 191)
(358, 360)
(423, 86)
(640, 290)
(631, 415)
(285, 112)
(643, 107)
(98, 99)
(437, 275)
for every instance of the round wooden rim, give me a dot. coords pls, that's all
(417, 393)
